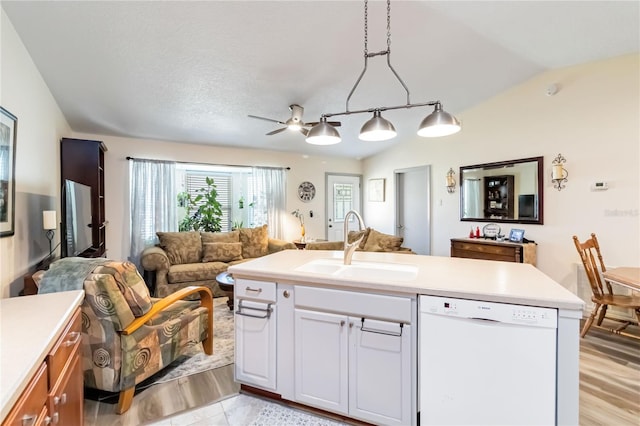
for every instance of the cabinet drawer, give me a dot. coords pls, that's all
(66, 345)
(32, 402)
(256, 290)
(485, 248)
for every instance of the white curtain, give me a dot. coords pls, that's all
(472, 205)
(153, 200)
(269, 203)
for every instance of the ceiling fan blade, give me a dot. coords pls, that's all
(267, 119)
(276, 131)
(304, 132)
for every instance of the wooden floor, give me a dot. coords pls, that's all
(609, 391)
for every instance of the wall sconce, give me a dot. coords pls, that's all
(559, 174)
(451, 182)
(49, 224)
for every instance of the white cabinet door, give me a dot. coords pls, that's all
(255, 350)
(321, 360)
(380, 388)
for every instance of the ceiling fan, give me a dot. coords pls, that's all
(294, 123)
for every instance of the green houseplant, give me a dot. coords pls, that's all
(204, 211)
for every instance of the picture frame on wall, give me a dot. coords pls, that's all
(376, 189)
(8, 127)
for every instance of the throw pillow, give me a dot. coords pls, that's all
(255, 242)
(220, 237)
(354, 235)
(377, 241)
(181, 247)
(130, 284)
(221, 252)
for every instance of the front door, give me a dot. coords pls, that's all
(343, 194)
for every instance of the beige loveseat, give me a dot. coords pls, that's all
(372, 241)
(195, 258)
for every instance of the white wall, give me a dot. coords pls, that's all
(594, 121)
(309, 168)
(41, 124)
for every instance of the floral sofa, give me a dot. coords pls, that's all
(195, 258)
(372, 241)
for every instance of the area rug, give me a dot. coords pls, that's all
(195, 360)
(278, 415)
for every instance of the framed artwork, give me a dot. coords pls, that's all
(8, 124)
(376, 189)
(516, 235)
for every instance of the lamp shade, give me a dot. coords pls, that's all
(49, 219)
(377, 129)
(439, 123)
(323, 133)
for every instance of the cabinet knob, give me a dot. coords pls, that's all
(286, 294)
(350, 325)
(74, 336)
(62, 399)
(342, 323)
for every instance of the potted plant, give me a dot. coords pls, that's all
(204, 211)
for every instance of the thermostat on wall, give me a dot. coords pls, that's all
(599, 186)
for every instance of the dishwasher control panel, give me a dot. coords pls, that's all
(490, 311)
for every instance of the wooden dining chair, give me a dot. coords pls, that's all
(601, 289)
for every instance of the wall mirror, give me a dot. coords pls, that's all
(505, 191)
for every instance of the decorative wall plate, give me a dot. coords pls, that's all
(491, 230)
(306, 191)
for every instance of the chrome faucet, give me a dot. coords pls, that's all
(349, 248)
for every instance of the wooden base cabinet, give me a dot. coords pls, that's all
(55, 394)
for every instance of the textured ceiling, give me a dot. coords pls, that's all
(191, 72)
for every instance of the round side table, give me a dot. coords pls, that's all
(226, 282)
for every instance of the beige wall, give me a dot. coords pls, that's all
(24, 93)
(594, 121)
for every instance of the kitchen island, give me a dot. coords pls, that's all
(305, 293)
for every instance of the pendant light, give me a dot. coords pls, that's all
(438, 123)
(323, 133)
(377, 129)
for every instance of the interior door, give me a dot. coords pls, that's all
(413, 213)
(343, 194)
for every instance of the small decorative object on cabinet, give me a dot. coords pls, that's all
(82, 161)
(498, 196)
(494, 250)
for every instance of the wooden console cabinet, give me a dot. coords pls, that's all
(478, 248)
(54, 392)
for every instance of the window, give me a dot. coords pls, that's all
(232, 186)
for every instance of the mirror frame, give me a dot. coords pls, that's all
(540, 165)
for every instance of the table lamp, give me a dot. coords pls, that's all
(49, 223)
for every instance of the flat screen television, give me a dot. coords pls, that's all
(77, 220)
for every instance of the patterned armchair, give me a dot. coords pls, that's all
(127, 336)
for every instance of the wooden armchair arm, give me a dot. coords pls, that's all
(206, 300)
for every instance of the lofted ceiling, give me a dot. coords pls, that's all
(191, 72)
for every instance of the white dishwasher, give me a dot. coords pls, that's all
(484, 363)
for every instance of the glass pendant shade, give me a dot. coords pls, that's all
(323, 133)
(439, 123)
(377, 129)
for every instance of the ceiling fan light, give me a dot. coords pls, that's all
(323, 133)
(295, 127)
(439, 123)
(377, 129)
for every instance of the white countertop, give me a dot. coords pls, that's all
(486, 280)
(29, 327)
